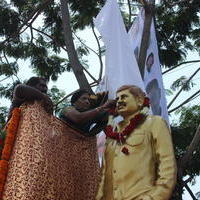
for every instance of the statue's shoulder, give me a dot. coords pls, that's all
(155, 122)
(154, 119)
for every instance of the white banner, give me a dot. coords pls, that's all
(120, 64)
(152, 75)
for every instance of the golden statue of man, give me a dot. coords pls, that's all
(139, 162)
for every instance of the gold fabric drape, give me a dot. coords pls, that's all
(50, 160)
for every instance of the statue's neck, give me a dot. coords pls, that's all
(126, 120)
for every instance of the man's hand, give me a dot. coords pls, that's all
(98, 99)
(47, 104)
(109, 104)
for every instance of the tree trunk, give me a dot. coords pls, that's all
(73, 58)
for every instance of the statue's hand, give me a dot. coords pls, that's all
(145, 197)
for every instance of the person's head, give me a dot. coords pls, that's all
(150, 61)
(81, 100)
(154, 94)
(39, 83)
(130, 100)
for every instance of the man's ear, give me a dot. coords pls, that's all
(140, 101)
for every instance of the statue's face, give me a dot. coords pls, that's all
(127, 104)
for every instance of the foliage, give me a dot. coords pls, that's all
(177, 30)
(7, 90)
(183, 133)
(182, 82)
(56, 95)
(3, 115)
(178, 27)
(198, 195)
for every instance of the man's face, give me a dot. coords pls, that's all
(154, 93)
(83, 102)
(154, 96)
(127, 104)
(41, 86)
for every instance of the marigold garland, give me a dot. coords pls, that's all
(121, 136)
(134, 122)
(11, 130)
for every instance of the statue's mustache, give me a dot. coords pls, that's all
(121, 104)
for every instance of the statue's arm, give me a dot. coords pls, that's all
(164, 153)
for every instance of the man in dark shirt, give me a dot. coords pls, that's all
(34, 89)
(81, 116)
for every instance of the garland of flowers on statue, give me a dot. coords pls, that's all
(11, 131)
(134, 122)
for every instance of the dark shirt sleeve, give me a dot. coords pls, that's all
(23, 93)
(85, 128)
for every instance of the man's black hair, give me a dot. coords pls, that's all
(77, 95)
(33, 81)
(149, 66)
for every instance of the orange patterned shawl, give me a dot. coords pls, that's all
(50, 160)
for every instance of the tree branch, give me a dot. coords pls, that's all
(73, 58)
(193, 146)
(99, 54)
(186, 62)
(186, 101)
(84, 44)
(4, 78)
(14, 73)
(33, 19)
(190, 192)
(40, 7)
(31, 30)
(52, 38)
(172, 101)
(61, 46)
(188, 180)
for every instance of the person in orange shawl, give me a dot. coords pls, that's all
(51, 159)
(34, 89)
